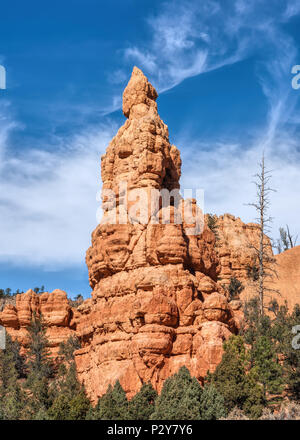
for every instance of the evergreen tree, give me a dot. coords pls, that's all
(11, 395)
(282, 333)
(67, 348)
(70, 402)
(39, 362)
(60, 409)
(269, 371)
(254, 402)
(233, 380)
(114, 404)
(179, 398)
(229, 377)
(255, 324)
(141, 406)
(40, 368)
(212, 223)
(19, 361)
(79, 406)
(212, 405)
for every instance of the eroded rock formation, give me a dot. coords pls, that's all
(236, 243)
(287, 281)
(55, 309)
(156, 304)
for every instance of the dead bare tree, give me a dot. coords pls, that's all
(263, 253)
(286, 240)
(291, 238)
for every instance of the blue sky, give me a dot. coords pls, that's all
(223, 73)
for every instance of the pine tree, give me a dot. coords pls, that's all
(11, 395)
(254, 402)
(265, 362)
(282, 333)
(255, 325)
(67, 348)
(70, 401)
(79, 406)
(39, 362)
(229, 378)
(39, 366)
(114, 404)
(233, 380)
(179, 398)
(141, 406)
(212, 405)
(60, 409)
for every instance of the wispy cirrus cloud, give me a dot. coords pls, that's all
(190, 38)
(48, 198)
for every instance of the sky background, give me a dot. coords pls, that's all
(223, 73)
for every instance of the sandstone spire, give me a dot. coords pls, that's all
(156, 304)
(140, 155)
(139, 96)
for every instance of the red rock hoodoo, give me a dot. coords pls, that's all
(158, 300)
(156, 304)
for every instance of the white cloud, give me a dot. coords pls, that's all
(225, 171)
(192, 37)
(196, 37)
(48, 199)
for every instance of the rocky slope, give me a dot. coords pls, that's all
(288, 281)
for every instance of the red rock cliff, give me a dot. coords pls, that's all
(56, 311)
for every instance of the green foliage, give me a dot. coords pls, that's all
(212, 405)
(67, 348)
(141, 406)
(39, 289)
(40, 368)
(8, 293)
(113, 405)
(66, 408)
(39, 361)
(179, 398)
(255, 325)
(70, 401)
(229, 377)
(266, 365)
(283, 335)
(212, 223)
(11, 396)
